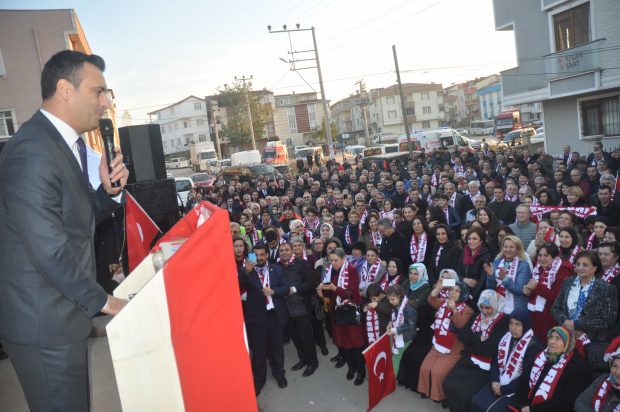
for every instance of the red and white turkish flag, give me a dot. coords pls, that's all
(381, 379)
(179, 345)
(140, 229)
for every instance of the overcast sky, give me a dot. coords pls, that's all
(159, 52)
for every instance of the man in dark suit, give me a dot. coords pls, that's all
(393, 244)
(265, 315)
(300, 278)
(48, 291)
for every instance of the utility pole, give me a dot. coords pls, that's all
(364, 104)
(214, 110)
(402, 102)
(328, 130)
(247, 106)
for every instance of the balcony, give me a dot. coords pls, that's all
(580, 59)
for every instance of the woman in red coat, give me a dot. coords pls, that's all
(547, 279)
(341, 286)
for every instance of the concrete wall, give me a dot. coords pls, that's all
(20, 89)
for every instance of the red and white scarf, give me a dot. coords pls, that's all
(398, 319)
(590, 241)
(444, 338)
(452, 200)
(458, 169)
(573, 253)
(484, 362)
(509, 302)
(537, 303)
(601, 395)
(342, 282)
(254, 236)
(311, 225)
(510, 364)
(417, 248)
(611, 273)
(547, 387)
(263, 275)
(435, 180)
(372, 325)
(308, 236)
(512, 198)
(291, 260)
(438, 256)
(347, 233)
(385, 284)
(369, 274)
(363, 217)
(376, 238)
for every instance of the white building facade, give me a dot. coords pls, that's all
(182, 123)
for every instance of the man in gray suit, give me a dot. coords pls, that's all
(48, 213)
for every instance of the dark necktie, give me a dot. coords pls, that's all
(83, 160)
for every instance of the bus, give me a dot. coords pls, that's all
(507, 121)
(481, 127)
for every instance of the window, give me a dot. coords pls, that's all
(2, 66)
(7, 126)
(312, 116)
(200, 122)
(426, 110)
(572, 27)
(390, 100)
(289, 141)
(426, 125)
(292, 121)
(425, 96)
(187, 123)
(178, 141)
(410, 111)
(392, 114)
(202, 137)
(197, 106)
(600, 116)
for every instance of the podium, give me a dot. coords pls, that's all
(179, 344)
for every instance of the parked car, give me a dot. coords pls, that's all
(518, 136)
(202, 180)
(253, 171)
(282, 168)
(178, 163)
(299, 148)
(183, 185)
(350, 153)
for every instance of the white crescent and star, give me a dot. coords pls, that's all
(140, 232)
(383, 356)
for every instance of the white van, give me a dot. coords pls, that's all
(430, 140)
(177, 163)
(247, 157)
(350, 153)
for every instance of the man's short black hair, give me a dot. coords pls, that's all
(66, 65)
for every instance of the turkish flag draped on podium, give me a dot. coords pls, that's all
(179, 344)
(381, 379)
(140, 229)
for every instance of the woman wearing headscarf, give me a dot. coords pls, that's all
(569, 244)
(515, 352)
(452, 314)
(509, 274)
(341, 286)
(480, 340)
(603, 395)
(326, 231)
(556, 377)
(475, 254)
(417, 290)
(445, 253)
(547, 279)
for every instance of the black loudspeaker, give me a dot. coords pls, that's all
(158, 198)
(143, 152)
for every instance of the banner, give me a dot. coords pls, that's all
(140, 230)
(581, 212)
(381, 378)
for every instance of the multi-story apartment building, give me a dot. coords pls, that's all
(424, 108)
(297, 116)
(568, 60)
(28, 38)
(348, 116)
(490, 101)
(181, 123)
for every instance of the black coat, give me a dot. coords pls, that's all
(300, 276)
(395, 246)
(255, 309)
(449, 259)
(475, 272)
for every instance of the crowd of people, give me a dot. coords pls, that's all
(499, 269)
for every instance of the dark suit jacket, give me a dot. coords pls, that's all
(48, 291)
(255, 309)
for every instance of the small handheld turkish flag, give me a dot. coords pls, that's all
(381, 379)
(140, 229)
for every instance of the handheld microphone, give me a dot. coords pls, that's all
(106, 128)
